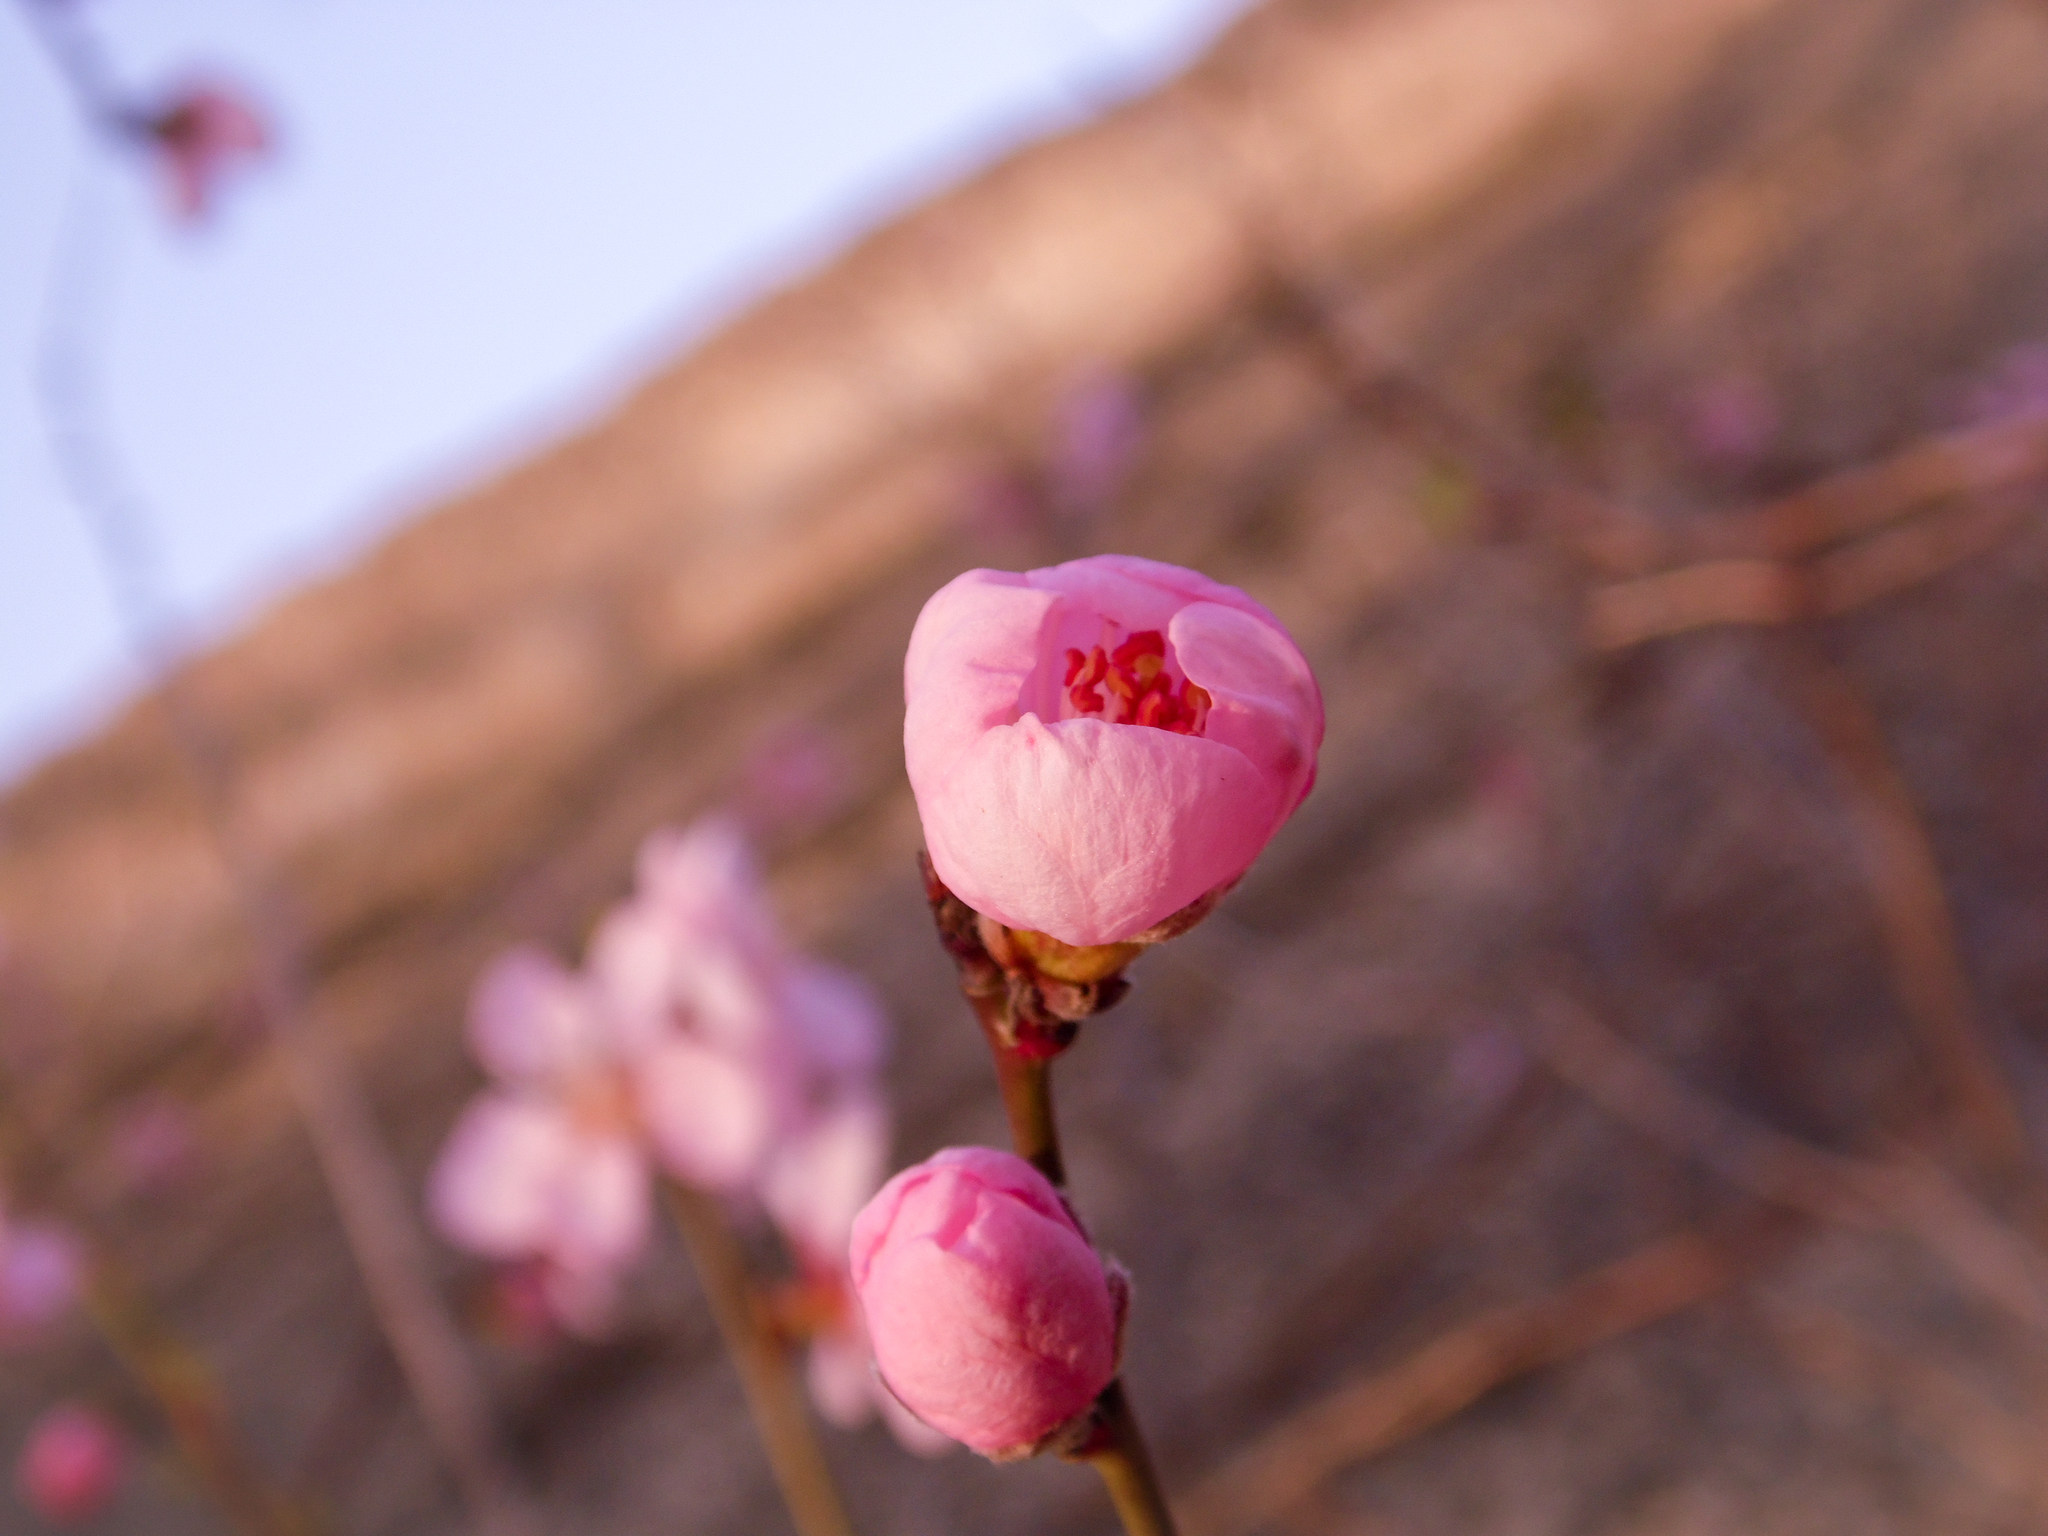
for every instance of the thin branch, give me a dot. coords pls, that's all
(1756, 590)
(1293, 1459)
(1913, 914)
(371, 1197)
(1935, 1402)
(1906, 1195)
(762, 1360)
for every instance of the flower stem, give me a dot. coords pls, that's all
(763, 1364)
(1026, 1084)
(1126, 1467)
(192, 1405)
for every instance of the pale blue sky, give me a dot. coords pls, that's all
(486, 217)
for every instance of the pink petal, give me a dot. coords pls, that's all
(531, 1021)
(817, 1180)
(1094, 832)
(841, 1376)
(1266, 702)
(710, 1115)
(836, 1020)
(600, 1215)
(496, 1184)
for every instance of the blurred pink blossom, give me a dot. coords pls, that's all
(42, 1275)
(694, 1042)
(1096, 745)
(1098, 425)
(154, 1144)
(72, 1464)
(208, 131)
(1731, 421)
(796, 777)
(2015, 386)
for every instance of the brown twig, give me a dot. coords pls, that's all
(1938, 1403)
(1753, 590)
(1906, 1194)
(1913, 914)
(188, 1394)
(371, 1197)
(762, 1360)
(1126, 1467)
(1453, 1371)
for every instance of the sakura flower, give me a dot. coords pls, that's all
(693, 1043)
(72, 1464)
(555, 1160)
(206, 132)
(1096, 745)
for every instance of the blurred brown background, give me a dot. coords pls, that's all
(1443, 325)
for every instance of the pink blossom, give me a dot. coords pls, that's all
(993, 1318)
(154, 1145)
(72, 1464)
(693, 1043)
(201, 136)
(1096, 745)
(42, 1272)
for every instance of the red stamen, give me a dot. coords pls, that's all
(1146, 642)
(1075, 662)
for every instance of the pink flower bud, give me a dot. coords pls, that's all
(992, 1317)
(1096, 745)
(72, 1464)
(202, 135)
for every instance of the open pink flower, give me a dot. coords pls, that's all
(555, 1162)
(71, 1465)
(1095, 745)
(993, 1319)
(693, 1042)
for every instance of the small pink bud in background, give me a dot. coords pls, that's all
(203, 134)
(1098, 425)
(993, 1319)
(1095, 746)
(42, 1271)
(71, 1465)
(154, 1145)
(1730, 421)
(795, 778)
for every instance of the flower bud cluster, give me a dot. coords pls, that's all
(693, 1042)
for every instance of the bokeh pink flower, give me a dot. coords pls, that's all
(693, 1043)
(72, 1464)
(1096, 745)
(992, 1316)
(42, 1277)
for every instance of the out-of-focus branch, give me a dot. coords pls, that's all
(370, 1195)
(2000, 1449)
(762, 1361)
(1907, 1194)
(1296, 1456)
(1912, 910)
(1758, 590)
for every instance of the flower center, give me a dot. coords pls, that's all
(1133, 685)
(601, 1103)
